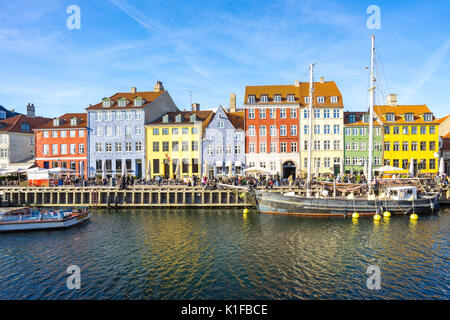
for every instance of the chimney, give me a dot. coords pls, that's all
(158, 87)
(391, 100)
(31, 110)
(233, 102)
(322, 80)
(297, 83)
(133, 89)
(196, 107)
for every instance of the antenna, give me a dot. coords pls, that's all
(190, 91)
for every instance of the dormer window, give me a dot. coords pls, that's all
(178, 118)
(277, 98)
(409, 117)
(390, 117)
(427, 117)
(73, 121)
(306, 99)
(2, 115)
(352, 118)
(192, 118)
(264, 98)
(106, 103)
(55, 122)
(334, 99)
(122, 102)
(291, 98)
(165, 118)
(320, 99)
(251, 99)
(25, 127)
(366, 118)
(138, 102)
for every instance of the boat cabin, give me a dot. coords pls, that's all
(401, 193)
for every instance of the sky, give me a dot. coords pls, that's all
(209, 49)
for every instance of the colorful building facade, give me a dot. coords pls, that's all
(117, 130)
(356, 142)
(174, 144)
(223, 144)
(63, 142)
(410, 133)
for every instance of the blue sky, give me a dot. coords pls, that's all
(214, 48)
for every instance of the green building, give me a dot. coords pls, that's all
(356, 142)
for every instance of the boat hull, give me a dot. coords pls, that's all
(276, 203)
(16, 226)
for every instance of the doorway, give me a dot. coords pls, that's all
(289, 169)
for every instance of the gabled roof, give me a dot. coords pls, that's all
(359, 121)
(14, 124)
(325, 89)
(149, 97)
(237, 119)
(443, 119)
(64, 122)
(399, 110)
(204, 116)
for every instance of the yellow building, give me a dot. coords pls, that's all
(173, 144)
(410, 132)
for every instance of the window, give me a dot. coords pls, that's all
(98, 116)
(432, 145)
(210, 150)
(272, 113)
(293, 146)
(64, 149)
(106, 103)
(138, 130)
(251, 131)
(128, 146)
(337, 144)
(432, 164)
(348, 131)
(377, 146)
(54, 134)
(283, 131)
(220, 124)
(273, 147)
(165, 118)
(363, 146)
(305, 145)
(122, 102)
(262, 147)
(251, 99)
(264, 98)
(128, 130)
(326, 129)
(396, 146)
(396, 130)
(334, 99)
(165, 131)
(320, 99)
(192, 117)
(99, 131)
(262, 113)
(219, 150)
(355, 146)
(377, 131)
(348, 146)
(306, 99)
(336, 129)
(277, 98)
(174, 145)
(387, 162)
(326, 162)
(428, 117)
(413, 130)
(336, 113)
(25, 127)
(109, 131)
(63, 134)
(174, 130)
(326, 113)
(405, 145)
(413, 145)
(251, 113)
(108, 147)
(185, 146)
(262, 131)
(229, 150)
(355, 161)
(238, 136)
(98, 147)
(305, 129)
(396, 162)
(432, 129)
(81, 133)
(316, 113)
(54, 149)
(347, 161)
(423, 145)
(118, 146)
(283, 113)
(178, 118)
(283, 147)
(109, 116)
(45, 134)
(138, 146)
(138, 102)
(405, 130)
(128, 115)
(165, 146)
(45, 149)
(316, 129)
(237, 149)
(81, 148)
(155, 146)
(326, 145)
(377, 161)
(316, 145)
(73, 148)
(139, 115)
(291, 98)
(2, 115)
(306, 113)
(119, 115)
(293, 113)
(423, 130)
(155, 132)
(194, 145)
(387, 130)
(273, 131)
(293, 130)
(355, 131)
(251, 147)
(194, 130)
(390, 117)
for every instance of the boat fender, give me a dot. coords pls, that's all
(431, 205)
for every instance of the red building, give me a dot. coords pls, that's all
(62, 142)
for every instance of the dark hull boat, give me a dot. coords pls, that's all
(278, 203)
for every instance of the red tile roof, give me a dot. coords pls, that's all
(148, 96)
(443, 119)
(14, 124)
(417, 110)
(65, 122)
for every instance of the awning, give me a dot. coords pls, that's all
(228, 164)
(219, 163)
(237, 163)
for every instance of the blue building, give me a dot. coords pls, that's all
(223, 146)
(117, 130)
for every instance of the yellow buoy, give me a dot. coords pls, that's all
(386, 214)
(377, 217)
(245, 211)
(414, 216)
(355, 215)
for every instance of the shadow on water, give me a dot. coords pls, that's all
(225, 254)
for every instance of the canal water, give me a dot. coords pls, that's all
(223, 254)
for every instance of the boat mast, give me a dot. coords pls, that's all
(310, 115)
(372, 96)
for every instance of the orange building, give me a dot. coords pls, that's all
(62, 142)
